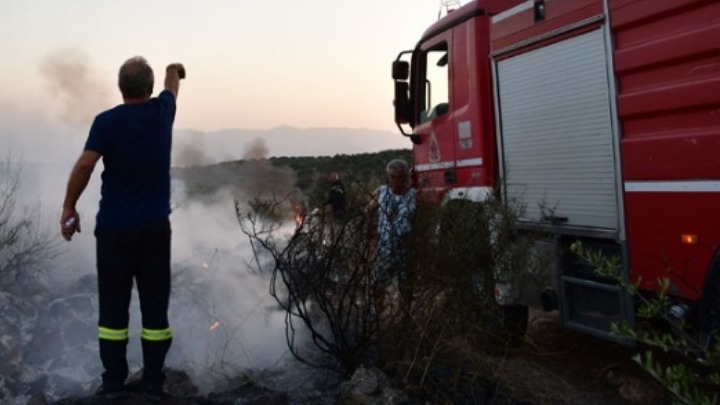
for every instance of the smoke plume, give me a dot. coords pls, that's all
(190, 151)
(256, 149)
(72, 82)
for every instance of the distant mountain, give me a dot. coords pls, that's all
(193, 148)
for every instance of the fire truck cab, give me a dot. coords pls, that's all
(600, 117)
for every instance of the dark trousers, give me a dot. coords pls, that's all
(141, 253)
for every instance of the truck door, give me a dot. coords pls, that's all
(434, 151)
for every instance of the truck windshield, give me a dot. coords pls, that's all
(435, 97)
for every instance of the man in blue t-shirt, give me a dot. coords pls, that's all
(132, 229)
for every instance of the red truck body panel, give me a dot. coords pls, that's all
(668, 76)
(663, 63)
(559, 13)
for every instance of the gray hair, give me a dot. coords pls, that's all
(136, 78)
(397, 166)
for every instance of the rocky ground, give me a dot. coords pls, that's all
(552, 365)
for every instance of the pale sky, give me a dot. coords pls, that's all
(250, 64)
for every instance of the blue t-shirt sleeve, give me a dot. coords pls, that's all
(95, 141)
(167, 100)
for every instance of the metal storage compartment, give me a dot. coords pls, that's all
(556, 139)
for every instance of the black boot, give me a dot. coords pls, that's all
(112, 355)
(153, 377)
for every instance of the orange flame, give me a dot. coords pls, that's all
(299, 214)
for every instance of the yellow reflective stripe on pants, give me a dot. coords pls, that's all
(156, 335)
(112, 334)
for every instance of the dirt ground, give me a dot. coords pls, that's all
(551, 365)
(555, 365)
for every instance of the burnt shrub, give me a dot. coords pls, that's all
(430, 325)
(25, 248)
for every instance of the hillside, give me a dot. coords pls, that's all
(307, 175)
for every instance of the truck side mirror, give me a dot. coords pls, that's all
(403, 103)
(400, 70)
(403, 111)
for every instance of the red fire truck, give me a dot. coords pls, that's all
(602, 118)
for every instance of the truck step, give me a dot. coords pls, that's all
(593, 307)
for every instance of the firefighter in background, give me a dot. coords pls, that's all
(337, 201)
(132, 226)
(336, 198)
(396, 205)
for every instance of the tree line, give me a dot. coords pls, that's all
(311, 173)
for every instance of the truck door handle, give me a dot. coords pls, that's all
(450, 177)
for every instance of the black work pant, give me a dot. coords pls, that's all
(142, 253)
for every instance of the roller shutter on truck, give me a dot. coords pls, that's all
(556, 138)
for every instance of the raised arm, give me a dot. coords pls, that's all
(173, 74)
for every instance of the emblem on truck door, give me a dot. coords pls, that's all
(434, 149)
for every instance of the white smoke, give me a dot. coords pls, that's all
(72, 81)
(223, 317)
(235, 324)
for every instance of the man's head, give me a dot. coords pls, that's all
(136, 78)
(398, 174)
(334, 177)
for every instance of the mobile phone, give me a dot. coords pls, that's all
(70, 223)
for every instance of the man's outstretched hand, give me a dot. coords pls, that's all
(179, 68)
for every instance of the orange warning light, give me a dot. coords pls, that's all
(689, 239)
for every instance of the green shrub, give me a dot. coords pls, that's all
(694, 379)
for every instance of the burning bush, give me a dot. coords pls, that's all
(321, 277)
(444, 308)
